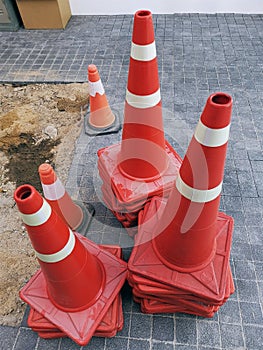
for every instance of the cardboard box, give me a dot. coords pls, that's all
(44, 14)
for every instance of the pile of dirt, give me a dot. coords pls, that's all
(38, 123)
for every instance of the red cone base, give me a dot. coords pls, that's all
(79, 326)
(126, 197)
(158, 288)
(109, 326)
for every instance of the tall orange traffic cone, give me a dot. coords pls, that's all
(184, 242)
(74, 213)
(100, 119)
(188, 240)
(78, 281)
(142, 155)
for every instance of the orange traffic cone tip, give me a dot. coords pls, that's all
(72, 212)
(100, 119)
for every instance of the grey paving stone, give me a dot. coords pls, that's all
(208, 334)
(229, 312)
(251, 313)
(7, 337)
(163, 328)
(48, 344)
(141, 326)
(27, 339)
(162, 346)
(232, 336)
(247, 290)
(185, 329)
(135, 344)
(253, 337)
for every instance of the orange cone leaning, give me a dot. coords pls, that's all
(100, 119)
(74, 213)
(78, 281)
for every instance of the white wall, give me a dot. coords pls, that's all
(89, 7)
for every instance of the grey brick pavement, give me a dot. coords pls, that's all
(198, 54)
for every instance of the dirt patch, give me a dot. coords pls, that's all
(38, 123)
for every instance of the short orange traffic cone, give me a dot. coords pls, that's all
(78, 280)
(142, 155)
(182, 249)
(74, 213)
(100, 119)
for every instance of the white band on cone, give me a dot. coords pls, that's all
(39, 217)
(143, 52)
(195, 195)
(54, 191)
(141, 101)
(211, 137)
(96, 87)
(60, 255)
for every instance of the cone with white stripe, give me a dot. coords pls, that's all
(186, 236)
(67, 266)
(78, 280)
(100, 119)
(142, 156)
(74, 214)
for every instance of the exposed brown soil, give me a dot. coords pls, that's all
(38, 123)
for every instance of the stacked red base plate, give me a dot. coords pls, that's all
(108, 327)
(125, 197)
(160, 289)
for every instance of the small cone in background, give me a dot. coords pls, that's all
(143, 165)
(100, 119)
(74, 213)
(78, 280)
(180, 262)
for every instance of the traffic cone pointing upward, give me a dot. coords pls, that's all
(142, 155)
(187, 231)
(67, 266)
(78, 281)
(101, 118)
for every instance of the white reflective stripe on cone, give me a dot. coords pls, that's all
(39, 217)
(195, 195)
(211, 137)
(143, 101)
(143, 52)
(54, 191)
(96, 87)
(60, 255)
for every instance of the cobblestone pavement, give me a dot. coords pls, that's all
(198, 54)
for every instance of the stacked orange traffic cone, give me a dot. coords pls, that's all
(143, 164)
(181, 259)
(111, 323)
(100, 119)
(74, 213)
(78, 281)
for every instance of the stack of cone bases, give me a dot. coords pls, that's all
(74, 213)
(108, 327)
(180, 262)
(100, 118)
(143, 164)
(78, 285)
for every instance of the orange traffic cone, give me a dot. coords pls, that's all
(74, 213)
(143, 155)
(78, 281)
(184, 242)
(188, 240)
(101, 119)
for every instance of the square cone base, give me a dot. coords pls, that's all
(109, 326)
(126, 197)
(111, 129)
(79, 326)
(159, 288)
